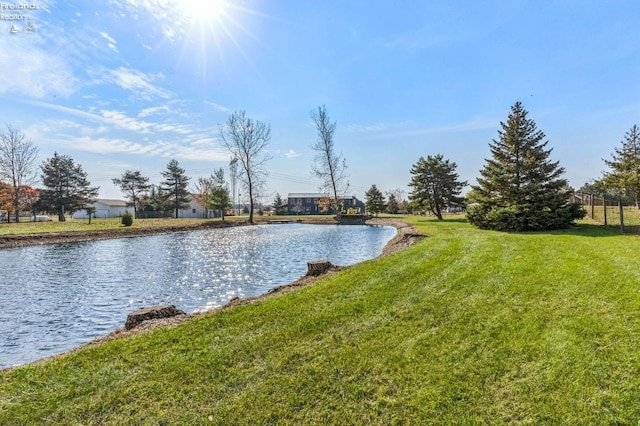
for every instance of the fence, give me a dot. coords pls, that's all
(611, 212)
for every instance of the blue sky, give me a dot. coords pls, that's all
(124, 84)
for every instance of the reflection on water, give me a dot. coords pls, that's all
(56, 297)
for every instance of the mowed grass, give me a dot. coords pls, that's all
(81, 225)
(466, 327)
(99, 224)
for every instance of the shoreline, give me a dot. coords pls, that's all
(63, 237)
(406, 236)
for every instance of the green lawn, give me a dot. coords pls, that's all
(466, 327)
(80, 225)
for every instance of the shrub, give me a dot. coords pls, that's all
(127, 219)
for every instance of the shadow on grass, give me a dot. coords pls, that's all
(445, 220)
(591, 230)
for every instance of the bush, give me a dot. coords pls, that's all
(524, 217)
(127, 219)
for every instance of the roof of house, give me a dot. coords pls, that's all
(112, 203)
(313, 195)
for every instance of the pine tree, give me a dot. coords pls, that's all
(392, 204)
(375, 200)
(176, 183)
(219, 198)
(278, 204)
(133, 185)
(435, 184)
(625, 166)
(66, 187)
(520, 189)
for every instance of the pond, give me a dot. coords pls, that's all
(56, 297)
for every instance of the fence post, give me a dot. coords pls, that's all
(621, 215)
(592, 206)
(604, 206)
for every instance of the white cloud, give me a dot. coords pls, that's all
(30, 71)
(291, 154)
(153, 111)
(219, 107)
(121, 120)
(111, 41)
(108, 37)
(366, 128)
(137, 82)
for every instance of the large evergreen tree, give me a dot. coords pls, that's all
(375, 200)
(175, 184)
(625, 166)
(520, 188)
(66, 187)
(435, 184)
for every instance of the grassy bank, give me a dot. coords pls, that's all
(465, 327)
(82, 225)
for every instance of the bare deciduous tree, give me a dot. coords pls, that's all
(17, 163)
(328, 166)
(246, 139)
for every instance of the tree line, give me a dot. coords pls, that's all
(519, 188)
(66, 188)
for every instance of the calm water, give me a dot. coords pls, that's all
(56, 297)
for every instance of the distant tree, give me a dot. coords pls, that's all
(219, 197)
(297, 206)
(399, 195)
(246, 140)
(29, 197)
(374, 201)
(625, 166)
(324, 204)
(133, 185)
(392, 203)
(328, 166)
(520, 189)
(202, 194)
(91, 210)
(277, 201)
(175, 184)
(435, 184)
(66, 187)
(17, 164)
(5, 200)
(598, 188)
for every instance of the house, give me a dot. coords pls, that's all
(315, 203)
(196, 210)
(105, 208)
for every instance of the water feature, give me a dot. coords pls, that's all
(59, 296)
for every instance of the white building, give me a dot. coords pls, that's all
(105, 208)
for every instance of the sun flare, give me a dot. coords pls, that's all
(203, 10)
